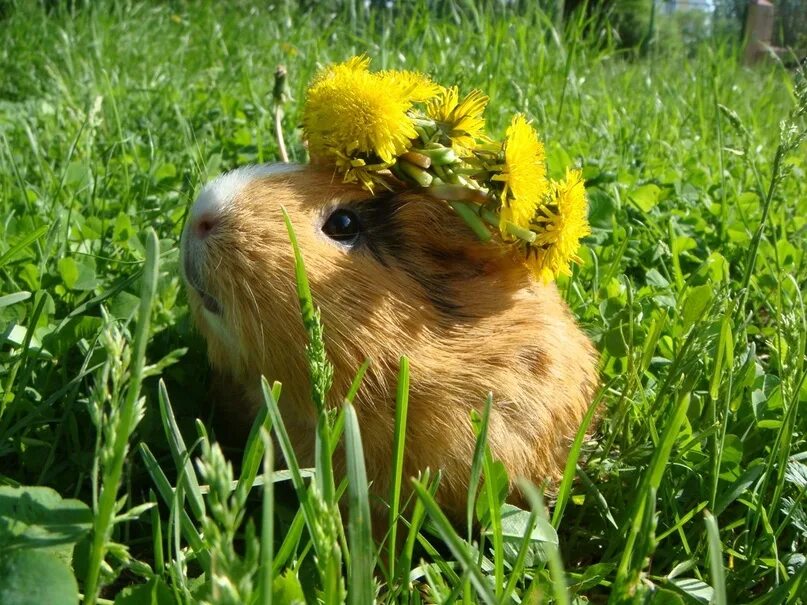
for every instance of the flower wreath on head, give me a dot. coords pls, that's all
(385, 128)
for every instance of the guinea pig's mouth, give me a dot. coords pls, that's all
(194, 279)
(208, 302)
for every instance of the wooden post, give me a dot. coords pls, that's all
(759, 30)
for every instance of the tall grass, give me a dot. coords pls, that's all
(692, 488)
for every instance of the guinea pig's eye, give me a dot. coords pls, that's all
(342, 226)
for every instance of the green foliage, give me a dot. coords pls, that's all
(32, 577)
(38, 517)
(38, 530)
(629, 21)
(692, 489)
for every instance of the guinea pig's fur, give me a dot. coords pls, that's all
(417, 282)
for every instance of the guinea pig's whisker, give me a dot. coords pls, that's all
(218, 264)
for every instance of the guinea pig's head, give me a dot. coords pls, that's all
(392, 272)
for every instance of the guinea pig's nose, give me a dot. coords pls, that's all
(207, 213)
(203, 224)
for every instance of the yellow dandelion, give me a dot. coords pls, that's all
(357, 170)
(523, 174)
(462, 121)
(413, 86)
(563, 222)
(352, 112)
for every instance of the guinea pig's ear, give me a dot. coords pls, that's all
(462, 276)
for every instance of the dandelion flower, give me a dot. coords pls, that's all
(563, 223)
(351, 112)
(462, 121)
(523, 174)
(413, 86)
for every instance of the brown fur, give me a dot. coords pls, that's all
(466, 313)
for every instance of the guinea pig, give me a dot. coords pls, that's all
(394, 273)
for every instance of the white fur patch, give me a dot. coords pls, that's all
(216, 324)
(220, 194)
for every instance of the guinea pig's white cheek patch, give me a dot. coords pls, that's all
(220, 330)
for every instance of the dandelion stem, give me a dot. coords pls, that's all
(471, 218)
(419, 159)
(440, 155)
(424, 123)
(420, 176)
(491, 218)
(280, 93)
(458, 193)
(519, 232)
(281, 144)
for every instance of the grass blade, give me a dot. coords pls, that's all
(267, 518)
(565, 487)
(360, 581)
(516, 573)
(320, 368)
(291, 461)
(494, 502)
(716, 560)
(180, 452)
(189, 531)
(13, 299)
(21, 245)
(357, 379)
(290, 542)
(650, 483)
(156, 534)
(481, 426)
(458, 547)
(415, 523)
(399, 443)
(559, 586)
(254, 450)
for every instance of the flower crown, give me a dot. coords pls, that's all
(396, 128)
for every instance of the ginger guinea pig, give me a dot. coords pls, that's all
(396, 273)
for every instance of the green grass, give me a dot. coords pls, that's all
(693, 489)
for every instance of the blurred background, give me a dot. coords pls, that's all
(642, 23)
(688, 22)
